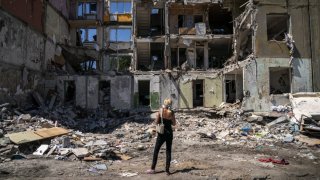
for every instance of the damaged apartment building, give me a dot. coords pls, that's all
(132, 54)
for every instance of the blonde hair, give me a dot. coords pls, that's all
(167, 102)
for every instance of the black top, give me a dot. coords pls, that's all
(167, 125)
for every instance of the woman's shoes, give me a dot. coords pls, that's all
(150, 171)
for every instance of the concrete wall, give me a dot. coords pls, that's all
(16, 83)
(256, 83)
(169, 89)
(21, 59)
(315, 43)
(154, 90)
(30, 12)
(213, 90)
(61, 6)
(87, 90)
(299, 27)
(19, 44)
(56, 27)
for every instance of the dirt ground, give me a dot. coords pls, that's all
(203, 160)
(192, 158)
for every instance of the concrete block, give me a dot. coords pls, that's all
(80, 152)
(41, 150)
(279, 120)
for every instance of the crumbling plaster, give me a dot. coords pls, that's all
(314, 8)
(212, 92)
(257, 86)
(87, 90)
(169, 89)
(299, 27)
(154, 89)
(19, 44)
(56, 27)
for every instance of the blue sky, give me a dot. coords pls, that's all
(120, 35)
(120, 7)
(91, 33)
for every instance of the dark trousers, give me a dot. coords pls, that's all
(166, 137)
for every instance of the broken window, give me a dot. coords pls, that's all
(182, 56)
(200, 57)
(230, 87)
(120, 63)
(186, 21)
(86, 35)
(87, 10)
(219, 51)
(156, 23)
(156, 53)
(197, 93)
(174, 57)
(277, 26)
(198, 19)
(144, 92)
(120, 35)
(88, 65)
(120, 7)
(180, 21)
(69, 91)
(279, 80)
(104, 93)
(220, 20)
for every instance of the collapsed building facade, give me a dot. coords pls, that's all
(128, 54)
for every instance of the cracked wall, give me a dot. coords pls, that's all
(21, 58)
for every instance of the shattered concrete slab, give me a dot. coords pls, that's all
(305, 104)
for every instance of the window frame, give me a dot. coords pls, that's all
(116, 35)
(288, 22)
(117, 2)
(84, 8)
(271, 74)
(86, 34)
(115, 57)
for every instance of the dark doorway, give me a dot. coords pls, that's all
(182, 56)
(156, 52)
(69, 91)
(174, 57)
(157, 27)
(197, 93)
(230, 91)
(104, 93)
(144, 93)
(200, 58)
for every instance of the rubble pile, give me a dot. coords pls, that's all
(77, 144)
(233, 131)
(68, 133)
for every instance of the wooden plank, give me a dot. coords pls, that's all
(308, 140)
(51, 132)
(24, 137)
(30, 136)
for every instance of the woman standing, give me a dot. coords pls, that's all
(169, 120)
